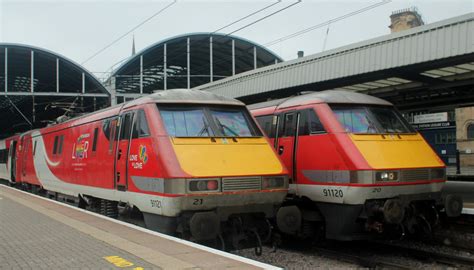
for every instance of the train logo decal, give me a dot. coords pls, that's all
(137, 161)
(142, 154)
(81, 146)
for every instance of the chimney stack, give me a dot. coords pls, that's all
(405, 19)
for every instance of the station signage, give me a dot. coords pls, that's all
(430, 118)
(447, 124)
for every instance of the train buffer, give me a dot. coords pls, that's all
(37, 233)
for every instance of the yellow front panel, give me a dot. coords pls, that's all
(392, 151)
(202, 157)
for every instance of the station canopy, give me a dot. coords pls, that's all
(38, 86)
(187, 61)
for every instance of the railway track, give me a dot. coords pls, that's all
(375, 255)
(439, 258)
(368, 261)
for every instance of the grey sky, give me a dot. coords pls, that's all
(78, 29)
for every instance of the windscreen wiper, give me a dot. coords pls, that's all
(222, 126)
(205, 128)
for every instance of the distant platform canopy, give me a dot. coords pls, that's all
(188, 61)
(37, 86)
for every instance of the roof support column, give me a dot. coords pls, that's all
(141, 74)
(211, 70)
(113, 91)
(83, 83)
(233, 57)
(6, 69)
(57, 75)
(165, 71)
(254, 57)
(32, 73)
(33, 114)
(188, 60)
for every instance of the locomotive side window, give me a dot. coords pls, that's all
(3, 156)
(140, 126)
(112, 132)
(268, 124)
(55, 147)
(315, 126)
(61, 141)
(34, 148)
(289, 125)
(126, 127)
(94, 142)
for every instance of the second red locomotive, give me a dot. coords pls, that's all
(356, 166)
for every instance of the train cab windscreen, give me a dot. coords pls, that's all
(208, 122)
(371, 120)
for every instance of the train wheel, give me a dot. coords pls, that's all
(423, 229)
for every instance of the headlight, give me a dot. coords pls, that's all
(386, 176)
(271, 182)
(438, 174)
(204, 185)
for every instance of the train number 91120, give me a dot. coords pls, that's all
(332, 192)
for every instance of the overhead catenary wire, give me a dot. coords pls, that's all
(129, 31)
(247, 16)
(241, 28)
(215, 31)
(252, 23)
(265, 17)
(314, 27)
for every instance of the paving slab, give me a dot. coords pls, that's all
(37, 233)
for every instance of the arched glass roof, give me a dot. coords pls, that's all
(189, 60)
(37, 85)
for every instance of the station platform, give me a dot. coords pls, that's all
(37, 233)
(468, 209)
(465, 189)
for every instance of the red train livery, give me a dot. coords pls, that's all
(194, 163)
(355, 165)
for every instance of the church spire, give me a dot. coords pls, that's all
(133, 45)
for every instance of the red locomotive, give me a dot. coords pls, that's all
(355, 165)
(194, 163)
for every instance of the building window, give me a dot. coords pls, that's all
(470, 131)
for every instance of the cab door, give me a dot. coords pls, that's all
(13, 161)
(287, 140)
(123, 147)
